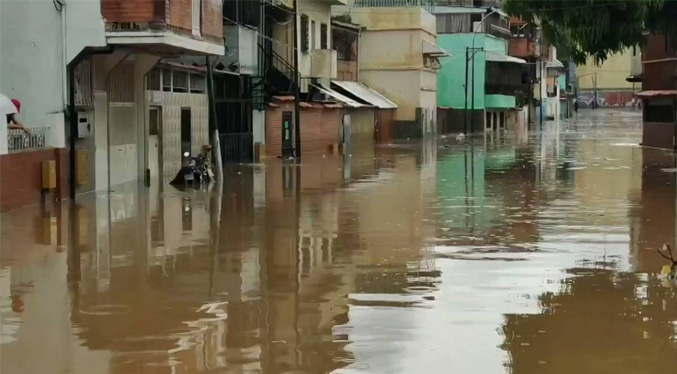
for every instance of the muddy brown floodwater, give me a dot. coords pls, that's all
(515, 254)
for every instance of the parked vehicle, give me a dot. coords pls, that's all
(194, 171)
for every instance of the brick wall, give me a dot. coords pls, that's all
(128, 11)
(319, 129)
(212, 20)
(21, 177)
(658, 135)
(180, 14)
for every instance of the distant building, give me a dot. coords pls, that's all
(605, 83)
(478, 87)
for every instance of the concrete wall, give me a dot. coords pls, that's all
(402, 87)
(362, 125)
(611, 74)
(171, 104)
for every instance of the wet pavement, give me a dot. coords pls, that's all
(514, 254)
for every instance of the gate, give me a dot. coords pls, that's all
(237, 147)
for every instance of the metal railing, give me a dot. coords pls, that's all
(428, 5)
(18, 141)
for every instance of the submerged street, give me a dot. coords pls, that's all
(515, 254)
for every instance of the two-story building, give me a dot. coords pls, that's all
(399, 58)
(478, 90)
(79, 68)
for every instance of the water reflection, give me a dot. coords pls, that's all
(506, 254)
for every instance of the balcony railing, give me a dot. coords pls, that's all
(428, 5)
(18, 141)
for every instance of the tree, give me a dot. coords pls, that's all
(597, 27)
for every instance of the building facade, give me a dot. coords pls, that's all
(399, 58)
(478, 86)
(80, 70)
(605, 84)
(659, 94)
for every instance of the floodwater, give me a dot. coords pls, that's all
(515, 254)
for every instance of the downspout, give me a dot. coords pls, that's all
(64, 53)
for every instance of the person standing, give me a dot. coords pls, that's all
(13, 120)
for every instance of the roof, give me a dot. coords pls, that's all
(346, 25)
(554, 64)
(430, 48)
(656, 93)
(338, 97)
(366, 94)
(499, 57)
(440, 9)
(284, 98)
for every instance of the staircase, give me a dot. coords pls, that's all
(277, 78)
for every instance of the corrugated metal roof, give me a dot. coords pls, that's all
(337, 96)
(366, 94)
(556, 64)
(654, 93)
(499, 57)
(430, 48)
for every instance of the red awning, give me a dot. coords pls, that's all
(656, 93)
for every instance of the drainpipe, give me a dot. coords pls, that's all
(64, 53)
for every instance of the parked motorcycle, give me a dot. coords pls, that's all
(195, 170)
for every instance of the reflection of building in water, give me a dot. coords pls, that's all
(653, 219)
(600, 321)
(476, 188)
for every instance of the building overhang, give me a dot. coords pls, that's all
(164, 42)
(656, 93)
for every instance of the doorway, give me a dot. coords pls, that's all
(185, 131)
(287, 143)
(155, 141)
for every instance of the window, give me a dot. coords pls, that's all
(180, 80)
(304, 33)
(323, 36)
(166, 80)
(313, 36)
(197, 83)
(197, 16)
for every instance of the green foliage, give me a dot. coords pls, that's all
(596, 27)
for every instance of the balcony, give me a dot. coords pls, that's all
(523, 48)
(323, 63)
(242, 56)
(179, 26)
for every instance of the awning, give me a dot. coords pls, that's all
(338, 97)
(366, 94)
(555, 64)
(656, 93)
(434, 50)
(499, 57)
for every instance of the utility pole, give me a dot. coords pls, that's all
(472, 98)
(465, 112)
(297, 107)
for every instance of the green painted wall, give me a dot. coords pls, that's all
(500, 101)
(451, 76)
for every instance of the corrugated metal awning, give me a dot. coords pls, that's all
(338, 97)
(433, 49)
(555, 64)
(499, 57)
(656, 93)
(366, 94)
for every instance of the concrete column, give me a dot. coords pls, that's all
(102, 67)
(143, 63)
